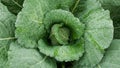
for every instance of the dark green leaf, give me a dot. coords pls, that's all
(13, 6)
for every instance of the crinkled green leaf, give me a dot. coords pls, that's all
(112, 56)
(98, 34)
(114, 7)
(7, 21)
(19, 57)
(59, 35)
(14, 6)
(3, 56)
(63, 53)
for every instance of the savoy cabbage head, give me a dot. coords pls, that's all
(59, 34)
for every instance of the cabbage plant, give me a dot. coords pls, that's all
(58, 34)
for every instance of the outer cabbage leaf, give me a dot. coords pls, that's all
(7, 27)
(114, 7)
(112, 56)
(14, 6)
(30, 19)
(19, 57)
(98, 33)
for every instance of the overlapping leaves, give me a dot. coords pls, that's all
(28, 58)
(111, 58)
(7, 28)
(114, 7)
(98, 31)
(65, 30)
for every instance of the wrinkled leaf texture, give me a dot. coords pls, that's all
(114, 7)
(98, 31)
(20, 57)
(7, 28)
(111, 58)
